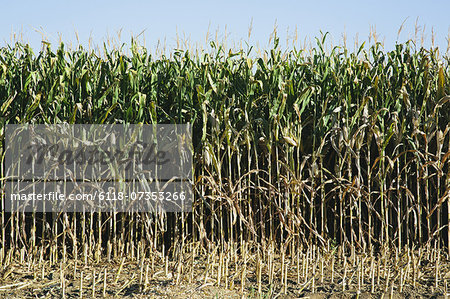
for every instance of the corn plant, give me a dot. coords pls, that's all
(295, 148)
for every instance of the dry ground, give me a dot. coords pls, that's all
(160, 280)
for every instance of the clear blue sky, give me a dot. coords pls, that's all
(191, 19)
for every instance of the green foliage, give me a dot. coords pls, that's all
(337, 139)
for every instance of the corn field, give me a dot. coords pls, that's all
(298, 154)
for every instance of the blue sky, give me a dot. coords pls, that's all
(161, 20)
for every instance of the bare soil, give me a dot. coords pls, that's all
(128, 279)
